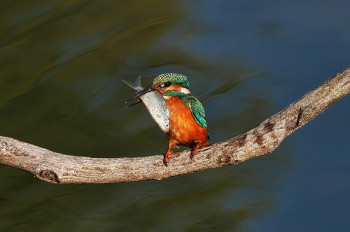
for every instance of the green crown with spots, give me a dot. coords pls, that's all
(174, 78)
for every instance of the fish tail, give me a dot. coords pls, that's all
(136, 85)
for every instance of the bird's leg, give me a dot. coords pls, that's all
(172, 144)
(194, 150)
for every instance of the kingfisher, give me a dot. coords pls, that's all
(187, 123)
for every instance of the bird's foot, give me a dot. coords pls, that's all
(166, 156)
(165, 162)
(191, 156)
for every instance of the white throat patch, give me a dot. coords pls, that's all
(184, 90)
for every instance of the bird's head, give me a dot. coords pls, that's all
(171, 81)
(166, 84)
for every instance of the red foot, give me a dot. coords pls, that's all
(166, 157)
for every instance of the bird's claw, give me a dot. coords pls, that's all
(165, 162)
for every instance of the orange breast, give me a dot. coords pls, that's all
(183, 127)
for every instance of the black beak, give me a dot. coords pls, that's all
(135, 103)
(148, 89)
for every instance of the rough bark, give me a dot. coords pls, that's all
(58, 168)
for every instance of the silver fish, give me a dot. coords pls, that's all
(154, 103)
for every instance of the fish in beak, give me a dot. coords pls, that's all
(148, 89)
(153, 101)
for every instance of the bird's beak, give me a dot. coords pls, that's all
(148, 89)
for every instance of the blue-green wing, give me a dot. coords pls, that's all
(197, 111)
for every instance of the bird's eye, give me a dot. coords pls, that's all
(167, 84)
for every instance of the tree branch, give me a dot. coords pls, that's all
(266, 137)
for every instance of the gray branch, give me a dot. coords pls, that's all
(266, 137)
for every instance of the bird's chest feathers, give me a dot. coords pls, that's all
(183, 127)
(178, 111)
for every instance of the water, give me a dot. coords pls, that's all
(60, 88)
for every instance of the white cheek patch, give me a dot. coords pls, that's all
(184, 90)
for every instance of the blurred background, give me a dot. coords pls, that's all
(60, 88)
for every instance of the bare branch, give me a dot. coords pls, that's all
(64, 169)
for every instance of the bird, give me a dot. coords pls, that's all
(187, 121)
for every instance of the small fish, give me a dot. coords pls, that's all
(154, 103)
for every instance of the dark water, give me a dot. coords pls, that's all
(60, 88)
